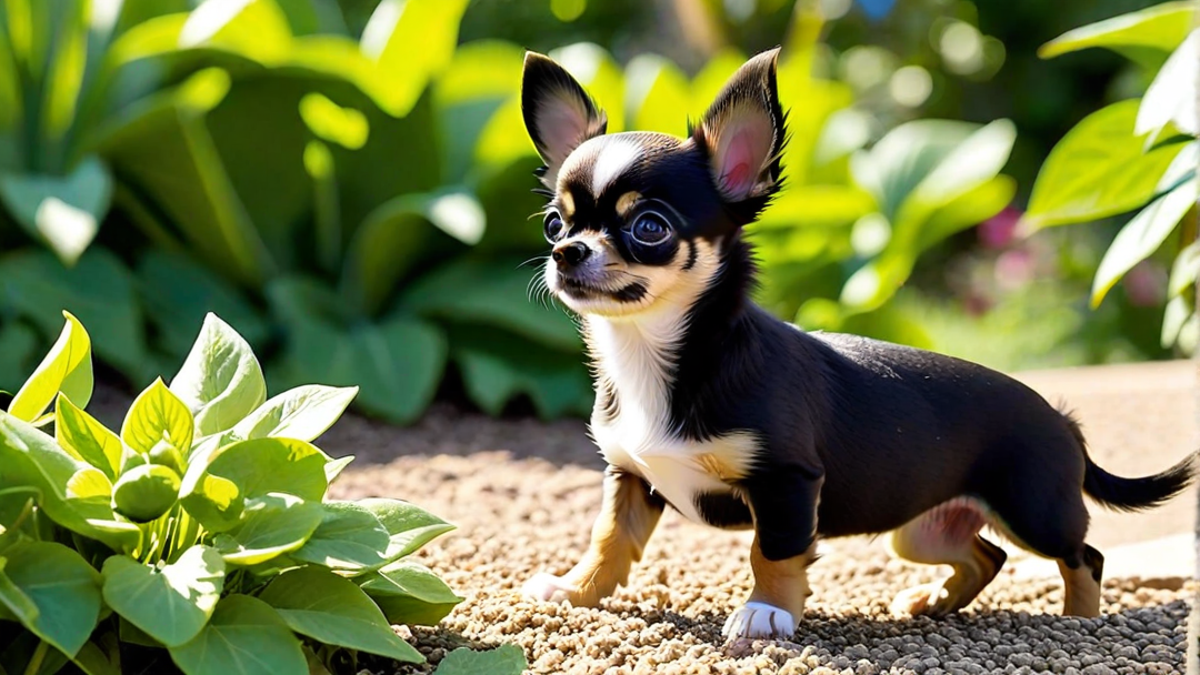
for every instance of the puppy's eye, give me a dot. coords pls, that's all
(650, 229)
(552, 226)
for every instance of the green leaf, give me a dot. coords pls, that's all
(67, 368)
(324, 606)
(171, 604)
(397, 235)
(409, 527)
(98, 290)
(271, 526)
(64, 588)
(63, 211)
(1098, 169)
(503, 660)
(145, 492)
(1185, 271)
(335, 467)
(178, 292)
(397, 363)
(905, 157)
(303, 413)
(86, 438)
(1159, 28)
(31, 459)
(491, 293)
(328, 120)
(1141, 237)
(350, 537)
(157, 414)
(214, 489)
(244, 637)
(89, 483)
(14, 604)
(500, 366)
(411, 41)
(221, 381)
(1172, 95)
(409, 594)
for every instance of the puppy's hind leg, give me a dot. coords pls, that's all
(947, 534)
(627, 518)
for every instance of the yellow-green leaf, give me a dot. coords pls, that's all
(85, 438)
(67, 368)
(157, 414)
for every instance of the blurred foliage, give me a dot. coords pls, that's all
(347, 182)
(1133, 154)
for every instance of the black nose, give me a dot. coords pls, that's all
(572, 254)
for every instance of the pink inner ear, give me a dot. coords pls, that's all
(562, 126)
(741, 153)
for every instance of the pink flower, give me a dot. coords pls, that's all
(998, 231)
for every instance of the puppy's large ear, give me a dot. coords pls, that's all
(743, 132)
(558, 113)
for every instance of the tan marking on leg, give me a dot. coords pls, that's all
(619, 536)
(626, 203)
(946, 535)
(1081, 591)
(781, 583)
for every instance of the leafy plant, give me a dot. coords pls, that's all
(1136, 154)
(200, 531)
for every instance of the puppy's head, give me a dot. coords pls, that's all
(640, 219)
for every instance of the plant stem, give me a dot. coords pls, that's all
(39, 655)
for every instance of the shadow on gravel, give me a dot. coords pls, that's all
(1005, 638)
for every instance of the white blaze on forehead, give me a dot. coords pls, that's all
(617, 155)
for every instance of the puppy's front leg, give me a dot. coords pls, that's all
(784, 504)
(619, 534)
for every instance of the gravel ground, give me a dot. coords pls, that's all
(529, 507)
(524, 495)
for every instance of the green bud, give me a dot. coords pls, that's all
(145, 492)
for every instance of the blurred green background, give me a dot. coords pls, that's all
(347, 182)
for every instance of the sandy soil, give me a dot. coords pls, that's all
(524, 495)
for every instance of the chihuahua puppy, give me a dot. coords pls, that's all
(708, 404)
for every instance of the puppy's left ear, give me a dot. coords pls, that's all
(743, 132)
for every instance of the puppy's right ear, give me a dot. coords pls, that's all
(558, 113)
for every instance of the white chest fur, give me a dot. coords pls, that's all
(636, 358)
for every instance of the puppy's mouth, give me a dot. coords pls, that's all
(582, 290)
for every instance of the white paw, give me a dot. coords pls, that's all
(925, 600)
(758, 619)
(548, 588)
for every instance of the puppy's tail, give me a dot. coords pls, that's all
(1132, 494)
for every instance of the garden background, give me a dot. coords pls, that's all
(347, 182)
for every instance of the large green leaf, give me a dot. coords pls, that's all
(271, 526)
(172, 603)
(1098, 169)
(396, 236)
(350, 537)
(157, 414)
(503, 660)
(409, 527)
(163, 149)
(903, 159)
(31, 459)
(1160, 28)
(66, 369)
(1142, 236)
(1172, 95)
(492, 293)
(409, 593)
(98, 290)
(411, 42)
(84, 437)
(220, 381)
(324, 606)
(397, 363)
(178, 292)
(263, 465)
(63, 211)
(500, 366)
(304, 413)
(64, 588)
(243, 637)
